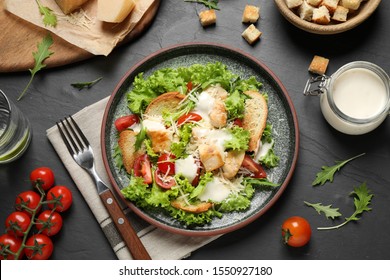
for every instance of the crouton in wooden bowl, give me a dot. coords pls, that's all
(326, 16)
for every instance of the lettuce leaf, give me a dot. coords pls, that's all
(179, 148)
(240, 139)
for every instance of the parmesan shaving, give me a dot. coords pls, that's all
(79, 18)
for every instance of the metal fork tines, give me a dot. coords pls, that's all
(82, 153)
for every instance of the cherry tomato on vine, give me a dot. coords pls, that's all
(43, 176)
(296, 231)
(166, 164)
(49, 223)
(39, 247)
(11, 243)
(63, 197)
(29, 199)
(126, 121)
(17, 223)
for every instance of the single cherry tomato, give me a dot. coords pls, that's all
(256, 169)
(17, 223)
(63, 197)
(165, 164)
(190, 117)
(238, 122)
(296, 231)
(143, 169)
(49, 223)
(163, 180)
(43, 176)
(189, 86)
(126, 121)
(27, 202)
(39, 247)
(11, 243)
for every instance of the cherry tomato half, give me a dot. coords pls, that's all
(27, 202)
(126, 121)
(49, 223)
(190, 117)
(64, 197)
(11, 243)
(17, 223)
(296, 231)
(142, 168)
(39, 247)
(43, 176)
(166, 164)
(163, 180)
(256, 169)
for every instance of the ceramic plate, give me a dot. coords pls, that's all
(281, 115)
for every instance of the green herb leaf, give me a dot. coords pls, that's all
(82, 85)
(211, 4)
(327, 210)
(362, 199)
(328, 172)
(49, 18)
(39, 56)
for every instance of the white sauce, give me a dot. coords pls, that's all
(359, 93)
(215, 190)
(187, 167)
(263, 150)
(204, 105)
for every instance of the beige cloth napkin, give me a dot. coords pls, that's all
(161, 245)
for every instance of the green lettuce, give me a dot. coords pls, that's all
(240, 139)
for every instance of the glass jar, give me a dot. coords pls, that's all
(355, 99)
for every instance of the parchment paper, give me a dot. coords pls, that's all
(90, 34)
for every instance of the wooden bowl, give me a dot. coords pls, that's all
(365, 10)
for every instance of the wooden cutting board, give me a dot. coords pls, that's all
(19, 38)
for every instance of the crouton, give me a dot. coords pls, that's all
(192, 208)
(163, 102)
(207, 17)
(314, 3)
(331, 5)
(251, 34)
(340, 14)
(351, 4)
(126, 143)
(321, 15)
(251, 14)
(255, 118)
(319, 65)
(305, 11)
(292, 4)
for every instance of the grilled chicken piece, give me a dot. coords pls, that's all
(233, 161)
(211, 157)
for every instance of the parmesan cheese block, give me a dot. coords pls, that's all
(114, 10)
(68, 6)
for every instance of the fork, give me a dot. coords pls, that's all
(82, 153)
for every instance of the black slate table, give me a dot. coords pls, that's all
(287, 51)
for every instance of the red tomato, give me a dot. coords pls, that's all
(238, 122)
(43, 176)
(190, 117)
(163, 180)
(142, 168)
(17, 223)
(49, 223)
(256, 169)
(27, 202)
(166, 164)
(126, 121)
(39, 247)
(296, 231)
(11, 243)
(189, 86)
(63, 196)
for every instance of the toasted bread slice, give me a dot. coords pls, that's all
(255, 118)
(126, 144)
(192, 208)
(166, 101)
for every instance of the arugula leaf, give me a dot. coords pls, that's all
(327, 210)
(328, 172)
(362, 199)
(49, 18)
(39, 56)
(82, 85)
(211, 4)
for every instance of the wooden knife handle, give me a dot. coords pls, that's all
(124, 227)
